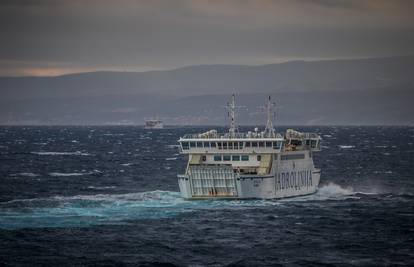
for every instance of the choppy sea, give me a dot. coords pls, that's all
(105, 196)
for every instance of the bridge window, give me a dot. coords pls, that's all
(192, 144)
(236, 145)
(240, 145)
(245, 157)
(247, 144)
(254, 144)
(212, 144)
(230, 145)
(217, 157)
(206, 144)
(224, 145)
(269, 144)
(261, 144)
(219, 145)
(199, 144)
(226, 158)
(185, 145)
(235, 158)
(277, 145)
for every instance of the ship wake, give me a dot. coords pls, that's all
(101, 209)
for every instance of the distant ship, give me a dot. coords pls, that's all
(153, 124)
(255, 164)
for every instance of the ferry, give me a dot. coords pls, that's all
(154, 124)
(251, 165)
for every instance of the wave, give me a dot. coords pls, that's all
(346, 146)
(64, 174)
(98, 209)
(331, 191)
(24, 174)
(101, 187)
(51, 153)
(86, 210)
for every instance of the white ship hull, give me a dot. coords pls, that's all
(289, 178)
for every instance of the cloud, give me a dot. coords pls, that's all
(159, 34)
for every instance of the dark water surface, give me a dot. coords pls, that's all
(108, 196)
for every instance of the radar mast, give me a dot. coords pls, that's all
(232, 116)
(269, 130)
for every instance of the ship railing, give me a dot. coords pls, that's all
(231, 136)
(311, 136)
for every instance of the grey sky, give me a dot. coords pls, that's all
(48, 37)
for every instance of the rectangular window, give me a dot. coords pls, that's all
(224, 145)
(206, 144)
(203, 158)
(235, 158)
(276, 145)
(240, 145)
(217, 157)
(212, 144)
(259, 158)
(230, 145)
(261, 144)
(247, 144)
(219, 145)
(192, 144)
(199, 144)
(292, 156)
(185, 145)
(245, 157)
(269, 144)
(254, 144)
(226, 158)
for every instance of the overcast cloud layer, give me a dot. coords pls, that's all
(49, 37)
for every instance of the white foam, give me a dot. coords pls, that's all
(58, 174)
(40, 144)
(101, 187)
(330, 191)
(25, 174)
(346, 146)
(52, 153)
(171, 159)
(333, 189)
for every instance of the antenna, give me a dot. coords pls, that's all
(232, 116)
(269, 130)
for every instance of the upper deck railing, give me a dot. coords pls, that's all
(214, 135)
(249, 135)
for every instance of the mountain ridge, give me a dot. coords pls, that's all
(130, 96)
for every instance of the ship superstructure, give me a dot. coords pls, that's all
(249, 165)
